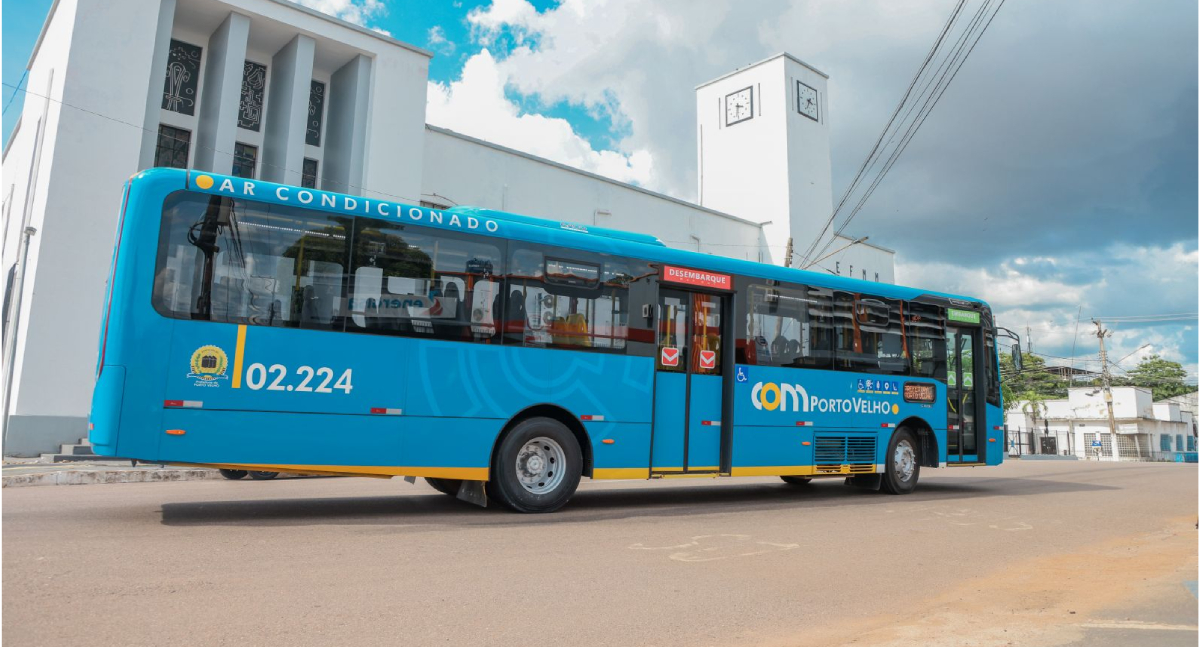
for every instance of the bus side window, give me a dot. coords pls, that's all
(235, 261)
(417, 281)
(572, 299)
(787, 326)
(924, 331)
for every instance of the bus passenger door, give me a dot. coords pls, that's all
(964, 396)
(687, 400)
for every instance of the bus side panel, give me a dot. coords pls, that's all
(774, 451)
(491, 381)
(278, 438)
(777, 409)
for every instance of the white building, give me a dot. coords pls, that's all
(270, 89)
(1079, 425)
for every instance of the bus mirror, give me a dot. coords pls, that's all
(1016, 357)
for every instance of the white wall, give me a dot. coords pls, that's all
(470, 172)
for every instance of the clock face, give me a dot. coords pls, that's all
(739, 106)
(806, 101)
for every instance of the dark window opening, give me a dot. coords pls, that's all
(172, 148)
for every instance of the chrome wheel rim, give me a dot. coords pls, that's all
(541, 464)
(904, 460)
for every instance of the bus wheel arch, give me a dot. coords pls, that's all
(555, 413)
(926, 440)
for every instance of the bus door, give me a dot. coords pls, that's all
(965, 419)
(688, 385)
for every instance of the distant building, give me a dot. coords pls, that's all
(272, 90)
(1078, 425)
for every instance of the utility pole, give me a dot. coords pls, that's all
(1101, 333)
(787, 258)
(1029, 338)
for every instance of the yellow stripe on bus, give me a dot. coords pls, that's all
(775, 470)
(620, 473)
(238, 353)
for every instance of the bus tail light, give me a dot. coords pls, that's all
(804, 423)
(183, 404)
(384, 411)
(592, 418)
(923, 392)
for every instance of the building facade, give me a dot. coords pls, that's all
(272, 90)
(1078, 426)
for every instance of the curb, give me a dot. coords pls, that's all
(92, 477)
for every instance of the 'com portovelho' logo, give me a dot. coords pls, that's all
(793, 397)
(209, 364)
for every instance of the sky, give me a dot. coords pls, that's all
(1057, 177)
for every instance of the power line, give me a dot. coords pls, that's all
(872, 155)
(951, 67)
(15, 90)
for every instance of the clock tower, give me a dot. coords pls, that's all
(763, 150)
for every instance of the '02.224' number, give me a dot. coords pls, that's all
(257, 374)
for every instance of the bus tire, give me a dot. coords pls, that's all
(903, 463)
(233, 475)
(263, 476)
(538, 466)
(445, 486)
(796, 480)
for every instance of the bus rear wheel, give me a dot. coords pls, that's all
(903, 463)
(538, 466)
(796, 480)
(445, 486)
(233, 475)
(263, 476)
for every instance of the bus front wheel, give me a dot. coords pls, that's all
(263, 476)
(445, 486)
(538, 466)
(233, 475)
(903, 463)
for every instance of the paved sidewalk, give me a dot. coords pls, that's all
(24, 473)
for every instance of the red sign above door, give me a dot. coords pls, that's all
(699, 278)
(708, 359)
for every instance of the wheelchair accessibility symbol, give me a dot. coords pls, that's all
(741, 374)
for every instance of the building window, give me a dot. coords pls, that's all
(183, 75)
(308, 177)
(245, 158)
(254, 80)
(172, 148)
(316, 107)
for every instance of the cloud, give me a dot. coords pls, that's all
(476, 105)
(359, 12)
(438, 43)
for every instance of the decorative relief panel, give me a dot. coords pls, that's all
(254, 80)
(183, 77)
(316, 107)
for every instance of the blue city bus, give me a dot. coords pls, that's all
(257, 326)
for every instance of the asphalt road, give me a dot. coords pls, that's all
(1030, 553)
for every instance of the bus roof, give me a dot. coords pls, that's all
(517, 227)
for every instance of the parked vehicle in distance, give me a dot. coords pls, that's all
(251, 326)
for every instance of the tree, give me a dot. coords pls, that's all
(1033, 383)
(1163, 377)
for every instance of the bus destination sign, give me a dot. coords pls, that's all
(698, 278)
(962, 316)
